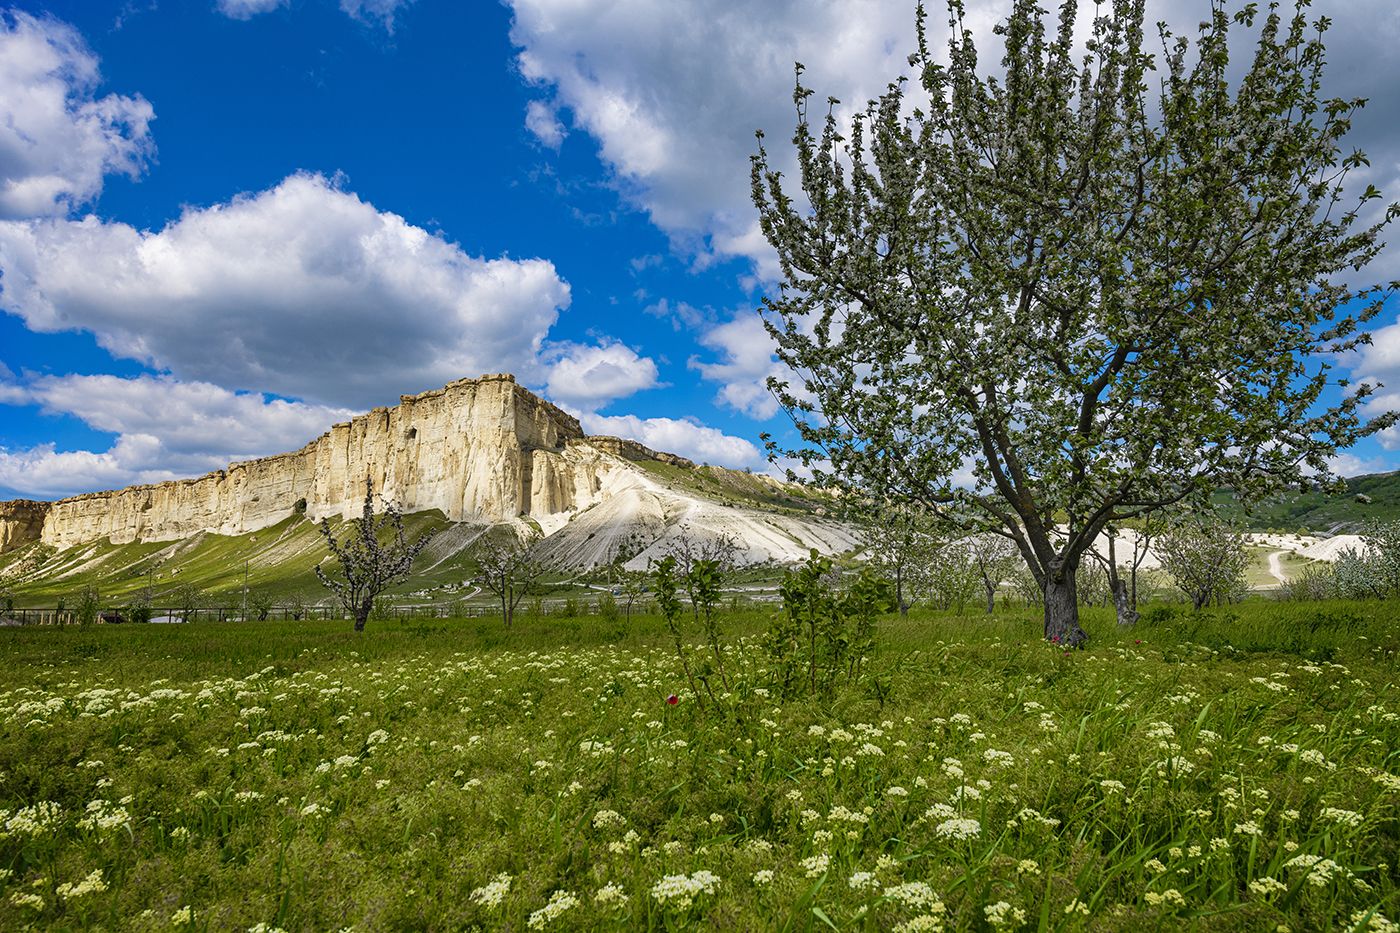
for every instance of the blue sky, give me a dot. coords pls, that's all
(225, 224)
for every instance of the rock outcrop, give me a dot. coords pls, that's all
(481, 451)
(467, 449)
(21, 521)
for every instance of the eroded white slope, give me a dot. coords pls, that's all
(635, 515)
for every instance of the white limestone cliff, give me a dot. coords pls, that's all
(481, 451)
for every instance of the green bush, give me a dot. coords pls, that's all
(87, 605)
(260, 604)
(607, 607)
(823, 633)
(139, 609)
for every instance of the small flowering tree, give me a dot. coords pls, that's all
(995, 559)
(1206, 557)
(367, 565)
(900, 542)
(507, 570)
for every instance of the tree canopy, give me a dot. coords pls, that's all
(1105, 282)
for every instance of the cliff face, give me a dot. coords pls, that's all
(21, 521)
(478, 450)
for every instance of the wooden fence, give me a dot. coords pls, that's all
(236, 614)
(286, 613)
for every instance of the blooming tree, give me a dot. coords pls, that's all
(368, 566)
(1103, 285)
(507, 570)
(901, 542)
(995, 559)
(1206, 558)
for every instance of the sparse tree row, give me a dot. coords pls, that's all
(1171, 556)
(1107, 286)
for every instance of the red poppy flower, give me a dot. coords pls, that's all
(672, 700)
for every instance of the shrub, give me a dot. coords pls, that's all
(668, 601)
(1206, 558)
(260, 604)
(1160, 614)
(1314, 582)
(139, 609)
(823, 633)
(187, 599)
(1374, 571)
(607, 607)
(87, 605)
(296, 606)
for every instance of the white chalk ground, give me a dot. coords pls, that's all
(1123, 549)
(1311, 547)
(634, 511)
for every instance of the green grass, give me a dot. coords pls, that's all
(1257, 575)
(297, 776)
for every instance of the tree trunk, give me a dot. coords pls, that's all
(362, 609)
(1127, 615)
(1062, 610)
(1118, 589)
(991, 597)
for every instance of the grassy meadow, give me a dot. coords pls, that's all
(1234, 770)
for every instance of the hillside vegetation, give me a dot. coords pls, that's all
(279, 560)
(1316, 511)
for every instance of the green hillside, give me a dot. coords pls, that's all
(1314, 510)
(735, 487)
(279, 560)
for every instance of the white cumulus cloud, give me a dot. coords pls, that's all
(673, 90)
(543, 122)
(304, 290)
(1379, 362)
(247, 9)
(164, 429)
(383, 11)
(380, 12)
(682, 436)
(58, 139)
(587, 377)
(747, 362)
(46, 472)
